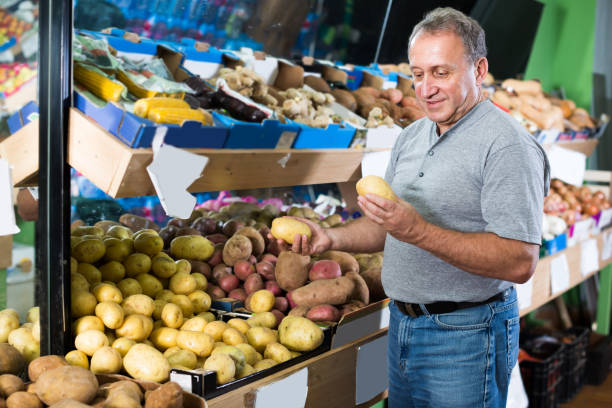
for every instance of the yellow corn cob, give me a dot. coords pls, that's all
(176, 115)
(134, 88)
(98, 84)
(143, 106)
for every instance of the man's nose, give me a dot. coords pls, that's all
(428, 87)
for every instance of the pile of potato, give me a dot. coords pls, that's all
(57, 384)
(25, 338)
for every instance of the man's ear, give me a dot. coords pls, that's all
(481, 68)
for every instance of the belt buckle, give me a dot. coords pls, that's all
(409, 309)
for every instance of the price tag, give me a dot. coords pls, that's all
(605, 219)
(566, 165)
(582, 229)
(524, 292)
(589, 257)
(184, 380)
(371, 371)
(290, 392)
(375, 163)
(606, 252)
(559, 274)
(286, 140)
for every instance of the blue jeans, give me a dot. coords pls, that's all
(458, 359)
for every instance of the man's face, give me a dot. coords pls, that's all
(445, 80)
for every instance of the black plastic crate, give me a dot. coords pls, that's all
(576, 340)
(599, 359)
(542, 379)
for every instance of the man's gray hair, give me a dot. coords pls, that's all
(449, 19)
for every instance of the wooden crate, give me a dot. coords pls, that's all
(21, 151)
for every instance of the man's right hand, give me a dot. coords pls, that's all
(319, 241)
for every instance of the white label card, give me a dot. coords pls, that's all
(566, 165)
(7, 213)
(582, 229)
(606, 218)
(606, 252)
(524, 291)
(184, 380)
(589, 257)
(559, 274)
(290, 392)
(375, 163)
(371, 371)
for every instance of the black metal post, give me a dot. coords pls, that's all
(53, 227)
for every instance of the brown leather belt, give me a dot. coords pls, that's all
(414, 309)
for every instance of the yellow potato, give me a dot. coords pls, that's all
(81, 230)
(105, 292)
(299, 334)
(119, 231)
(123, 345)
(36, 331)
(82, 303)
(8, 323)
(157, 324)
(135, 327)
(215, 329)
(150, 284)
(147, 243)
(247, 370)
(78, 283)
(235, 353)
(89, 250)
(184, 303)
(23, 340)
(199, 343)
(88, 323)
(277, 352)
(90, 341)
(208, 316)
(223, 365)
(200, 300)
(144, 362)
(183, 265)
(129, 287)
(195, 324)
(112, 271)
(239, 324)
(191, 247)
(163, 267)
(172, 315)
(182, 358)
(201, 281)
(264, 364)
(164, 295)
(90, 272)
(171, 350)
(250, 354)
(138, 304)
(106, 360)
(286, 228)
(182, 283)
(264, 319)
(143, 231)
(137, 263)
(262, 301)
(159, 307)
(74, 264)
(77, 358)
(117, 249)
(111, 314)
(375, 185)
(232, 337)
(164, 338)
(260, 337)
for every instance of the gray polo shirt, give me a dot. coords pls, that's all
(485, 174)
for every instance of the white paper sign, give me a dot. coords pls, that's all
(524, 292)
(559, 274)
(7, 213)
(290, 392)
(605, 219)
(606, 252)
(582, 229)
(364, 325)
(589, 257)
(171, 180)
(566, 165)
(371, 377)
(375, 163)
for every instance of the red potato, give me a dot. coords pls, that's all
(273, 287)
(238, 294)
(281, 303)
(215, 292)
(217, 238)
(252, 259)
(269, 258)
(231, 226)
(217, 256)
(219, 271)
(324, 269)
(292, 304)
(273, 248)
(264, 231)
(323, 313)
(201, 267)
(299, 311)
(205, 225)
(253, 283)
(279, 316)
(266, 270)
(243, 269)
(229, 282)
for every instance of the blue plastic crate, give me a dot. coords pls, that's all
(557, 244)
(138, 132)
(22, 117)
(247, 135)
(333, 137)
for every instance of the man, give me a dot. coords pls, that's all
(471, 182)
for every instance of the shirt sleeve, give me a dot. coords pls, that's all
(512, 200)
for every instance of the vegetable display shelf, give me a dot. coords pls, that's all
(120, 171)
(25, 94)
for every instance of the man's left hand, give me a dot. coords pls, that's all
(399, 219)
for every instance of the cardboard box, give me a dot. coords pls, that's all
(6, 251)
